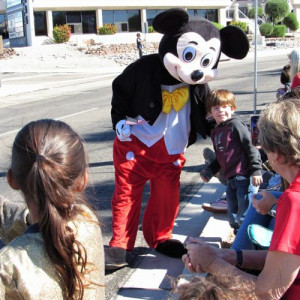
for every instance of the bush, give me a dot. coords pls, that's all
(260, 12)
(151, 29)
(61, 33)
(279, 31)
(276, 10)
(266, 29)
(219, 26)
(107, 29)
(291, 21)
(242, 25)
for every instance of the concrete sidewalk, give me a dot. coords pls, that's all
(151, 279)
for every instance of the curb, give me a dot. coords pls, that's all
(152, 279)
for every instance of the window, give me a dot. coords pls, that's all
(73, 17)
(209, 14)
(108, 16)
(40, 23)
(229, 13)
(59, 18)
(151, 14)
(134, 20)
(80, 22)
(244, 10)
(126, 20)
(3, 26)
(88, 21)
(120, 16)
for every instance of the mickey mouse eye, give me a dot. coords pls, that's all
(189, 54)
(206, 60)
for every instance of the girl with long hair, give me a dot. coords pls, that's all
(60, 256)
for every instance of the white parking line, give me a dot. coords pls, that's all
(75, 114)
(46, 93)
(60, 118)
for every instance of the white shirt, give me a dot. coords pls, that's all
(174, 127)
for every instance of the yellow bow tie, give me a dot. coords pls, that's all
(177, 99)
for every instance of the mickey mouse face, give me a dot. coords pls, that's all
(190, 49)
(196, 59)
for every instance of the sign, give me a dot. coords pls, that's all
(15, 25)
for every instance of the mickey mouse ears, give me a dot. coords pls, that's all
(170, 21)
(234, 42)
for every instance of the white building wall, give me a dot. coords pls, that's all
(143, 5)
(133, 4)
(98, 6)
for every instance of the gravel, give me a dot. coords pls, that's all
(54, 56)
(93, 56)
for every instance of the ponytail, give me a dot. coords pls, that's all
(48, 177)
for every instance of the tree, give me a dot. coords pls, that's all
(260, 12)
(276, 10)
(266, 29)
(291, 21)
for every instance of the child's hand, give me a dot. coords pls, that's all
(206, 174)
(204, 178)
(257, 180)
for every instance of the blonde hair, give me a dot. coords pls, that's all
(294, 57)
(212, 288)
(219, 98)
(279, 129)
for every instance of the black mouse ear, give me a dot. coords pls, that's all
(170, 21)
(234, 42)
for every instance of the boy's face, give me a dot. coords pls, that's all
(222, 113)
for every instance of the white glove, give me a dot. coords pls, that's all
(123, 131)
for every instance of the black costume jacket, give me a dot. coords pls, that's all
(137, 91)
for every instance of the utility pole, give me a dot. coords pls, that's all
(255, 60)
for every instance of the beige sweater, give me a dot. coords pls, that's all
(27, 273)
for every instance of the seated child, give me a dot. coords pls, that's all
(59, 256)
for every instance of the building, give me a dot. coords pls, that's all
(29, 22)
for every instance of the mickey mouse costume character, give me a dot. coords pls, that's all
(158, 107)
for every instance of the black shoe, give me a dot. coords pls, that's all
(115, 258)
(209, 155)
(172, 248)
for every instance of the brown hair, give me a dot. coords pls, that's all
(48, 159)
(285, 74)
(279, 129)
(211, 288)
(219, 98)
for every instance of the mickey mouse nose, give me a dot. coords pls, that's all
(196, 75)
